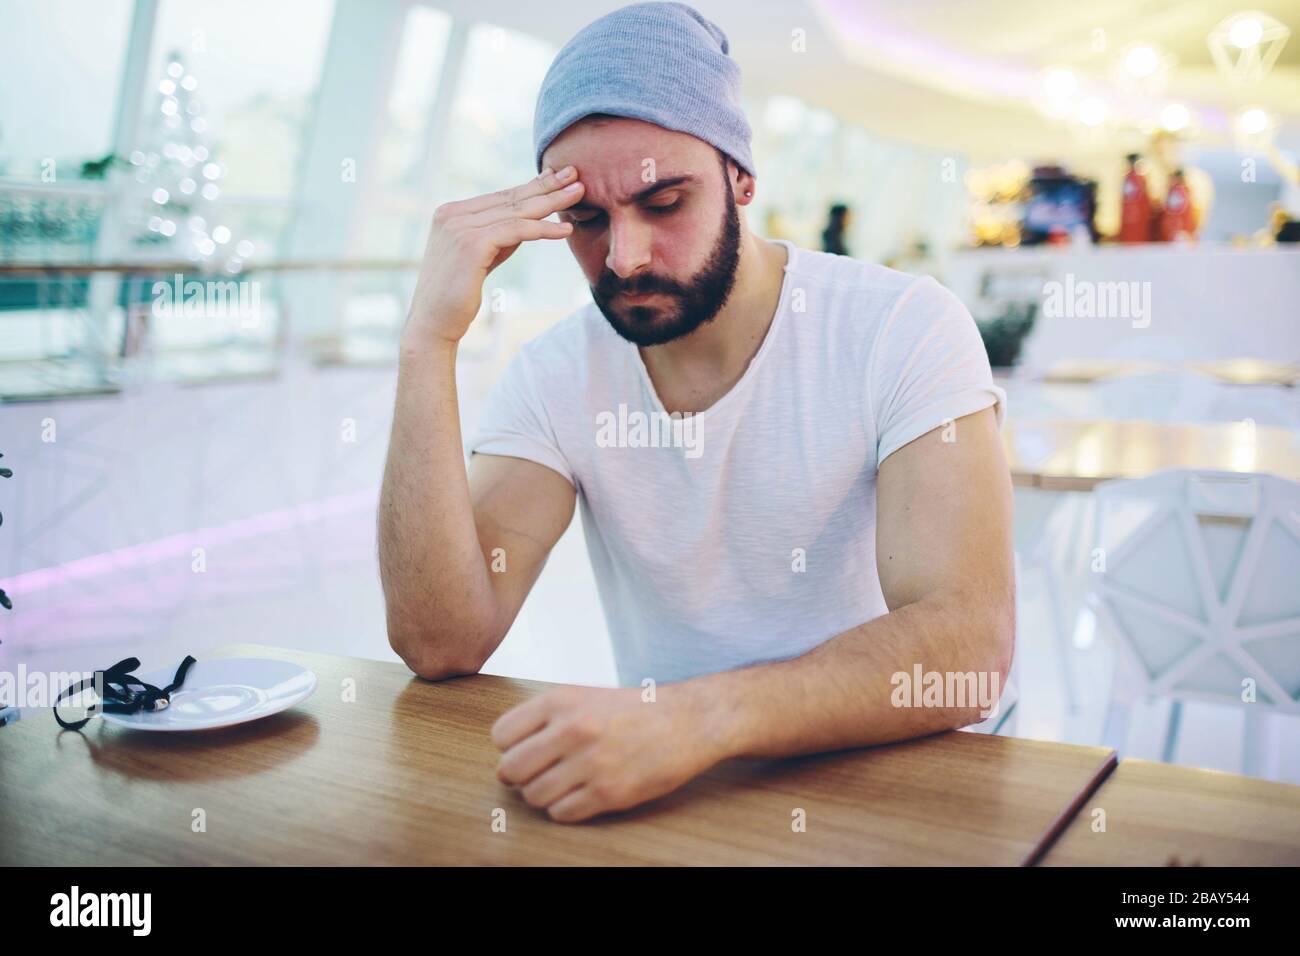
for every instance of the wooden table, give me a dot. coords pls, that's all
(1249, 371)
(1235, 371)
(405, 774)
(1091, 371)
(1078, 455)
(1162, 815)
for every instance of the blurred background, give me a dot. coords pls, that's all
(211, 215)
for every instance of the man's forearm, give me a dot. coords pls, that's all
(427, 534)
(844, 693)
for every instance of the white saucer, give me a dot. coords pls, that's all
(223, 692)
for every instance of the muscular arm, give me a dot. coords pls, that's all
(944, 555)
(458, 553)
(943, 543)
(439, 528)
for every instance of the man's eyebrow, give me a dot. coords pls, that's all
(641, 195)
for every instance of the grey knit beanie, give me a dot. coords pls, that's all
(659, 62)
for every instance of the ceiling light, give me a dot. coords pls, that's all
(1060, 83)
(1092, 111)
(1246, 45)
(1175, 117)
(1253, 121)
(1245, 32)
(1142, 61)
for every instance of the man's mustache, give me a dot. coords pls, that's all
(610, 285)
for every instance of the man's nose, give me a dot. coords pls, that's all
(629, 246)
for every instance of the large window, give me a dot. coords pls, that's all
(404, 143)
(256, 66)
(59, 89)
(491, 147)
(394, 225)
(228, 159)
(60, 77)
(486, 144)
(228, 94)
(205, 170)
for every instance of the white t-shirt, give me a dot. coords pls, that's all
(745, 533)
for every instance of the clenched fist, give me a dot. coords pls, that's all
(578, 752)
(472, 237)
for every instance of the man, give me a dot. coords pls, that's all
(793, 488)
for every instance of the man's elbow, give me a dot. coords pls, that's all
(433, 656)
(984, 629)
(1002, 640)
(996, 642)
(997, 651)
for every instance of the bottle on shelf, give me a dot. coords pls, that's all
(1135, 208)
(1178, 221)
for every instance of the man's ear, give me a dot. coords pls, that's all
(745, 187)
(741, 182)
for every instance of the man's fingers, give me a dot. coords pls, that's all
(511, 232)
(581, 804)
(520, 722)
(531, 756)
(544, 182)
(564, 778)
(536, 207)
(568, 773)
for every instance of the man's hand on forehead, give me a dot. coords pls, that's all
(470, 238)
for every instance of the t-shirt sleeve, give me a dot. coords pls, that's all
(514, 421)
(928, 366)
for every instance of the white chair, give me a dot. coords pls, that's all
(1177, 395)
(1045, 529)
(1275, 405)
(1198, 577)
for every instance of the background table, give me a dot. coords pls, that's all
(1250, 371)
(1078, 455)
(405, 774)
(1163, 815)
(1091, 371)
(1233, 371)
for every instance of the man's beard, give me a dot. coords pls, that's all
(696, 302)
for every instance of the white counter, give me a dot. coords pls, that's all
(1205, 302)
